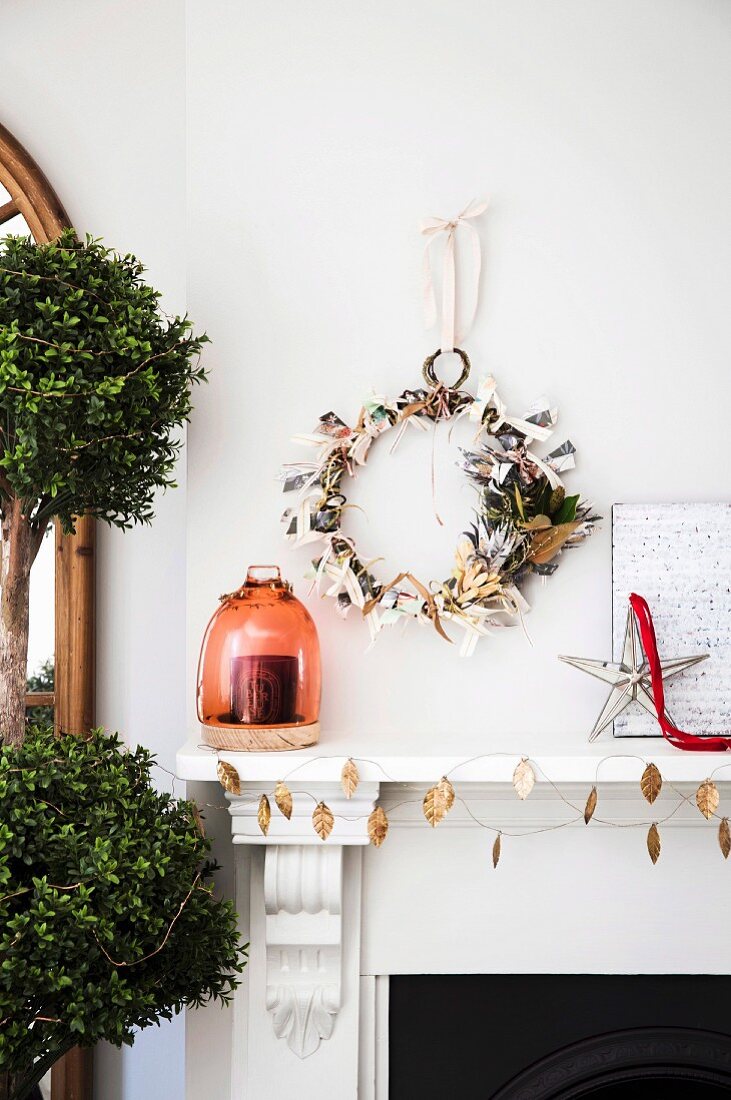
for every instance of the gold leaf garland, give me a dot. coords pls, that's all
(434, 806)
(377, 827)
(651, 783)
(349, 778)
(590, 805)
(707, 798)
(440, 798)
(196, 815)
(653, 842)
(523, 779)
(228, 777)
(264, 814)
(283, 799)
(323, 820)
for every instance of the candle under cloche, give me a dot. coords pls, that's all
(259, 669)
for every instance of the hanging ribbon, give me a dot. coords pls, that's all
(433, 228)
(671, 733)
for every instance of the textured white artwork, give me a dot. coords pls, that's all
(678, 556)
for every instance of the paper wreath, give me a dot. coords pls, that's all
(523, 518)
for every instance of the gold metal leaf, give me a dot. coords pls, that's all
(496, 849)
(196, 815)
(446, 790)
(724, 837)
(590, 805)
(283, 799)
(228, 777)
(523, 779)
(264, 814)
(651, 782)
(653, 843)
(349, 778)
(378, 826)
(434, 805)
(322, 820)
(707, 798)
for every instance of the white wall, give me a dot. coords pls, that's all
(96, 92)
(319, 134)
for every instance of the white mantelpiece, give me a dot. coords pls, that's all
(330, 921)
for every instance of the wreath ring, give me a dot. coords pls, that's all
(523, 518)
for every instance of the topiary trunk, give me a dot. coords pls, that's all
(18, 547)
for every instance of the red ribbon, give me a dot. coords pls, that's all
(670, 732)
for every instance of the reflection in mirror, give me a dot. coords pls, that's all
(42, 580)
(41, 634)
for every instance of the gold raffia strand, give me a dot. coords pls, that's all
(349, 778)
(322, 820)
(264, 814)
(653, 843)
(496, 850)
(651, 783)
(446, 790)
(724, 837)
(228, 777)
(283, 799)
(434, 806)
(523, 779)
(378, 827)
(590, 805)
(707, 798)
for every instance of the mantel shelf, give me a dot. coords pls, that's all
(384, 758)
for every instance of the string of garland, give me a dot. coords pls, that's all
(440, 798)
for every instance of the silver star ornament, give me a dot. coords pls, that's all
(630, 676)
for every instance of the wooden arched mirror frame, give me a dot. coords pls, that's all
(32, 197)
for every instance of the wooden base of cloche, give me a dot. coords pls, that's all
(261, 738)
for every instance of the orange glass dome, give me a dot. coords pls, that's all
(259, 668)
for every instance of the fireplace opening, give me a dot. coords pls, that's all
(559, 1037)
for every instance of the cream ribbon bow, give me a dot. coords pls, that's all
(433, 228)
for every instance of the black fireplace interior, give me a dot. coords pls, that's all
(559, 1037)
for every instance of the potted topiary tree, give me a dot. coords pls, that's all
(107, 920)
(94, 384)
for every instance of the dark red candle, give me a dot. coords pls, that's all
(263, 689)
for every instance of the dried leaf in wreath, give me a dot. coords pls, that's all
(707, 798)
(322, 820)
(546, 544)
(283, 799)
(496, 850)
(378, 826)
(724, 837)
(590, 805)
(228, 777)
(446, 790)
(653, 843)
(349, 778)
(651, 782)
(264, 814)
(434, 806)
(523, 779)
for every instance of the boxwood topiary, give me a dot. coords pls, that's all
(107, 917)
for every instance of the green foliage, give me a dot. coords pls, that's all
(107, 919)
(94, 381)
(41, 680)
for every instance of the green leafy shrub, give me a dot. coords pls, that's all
(107, 919)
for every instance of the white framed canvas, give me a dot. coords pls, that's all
(678, 556)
